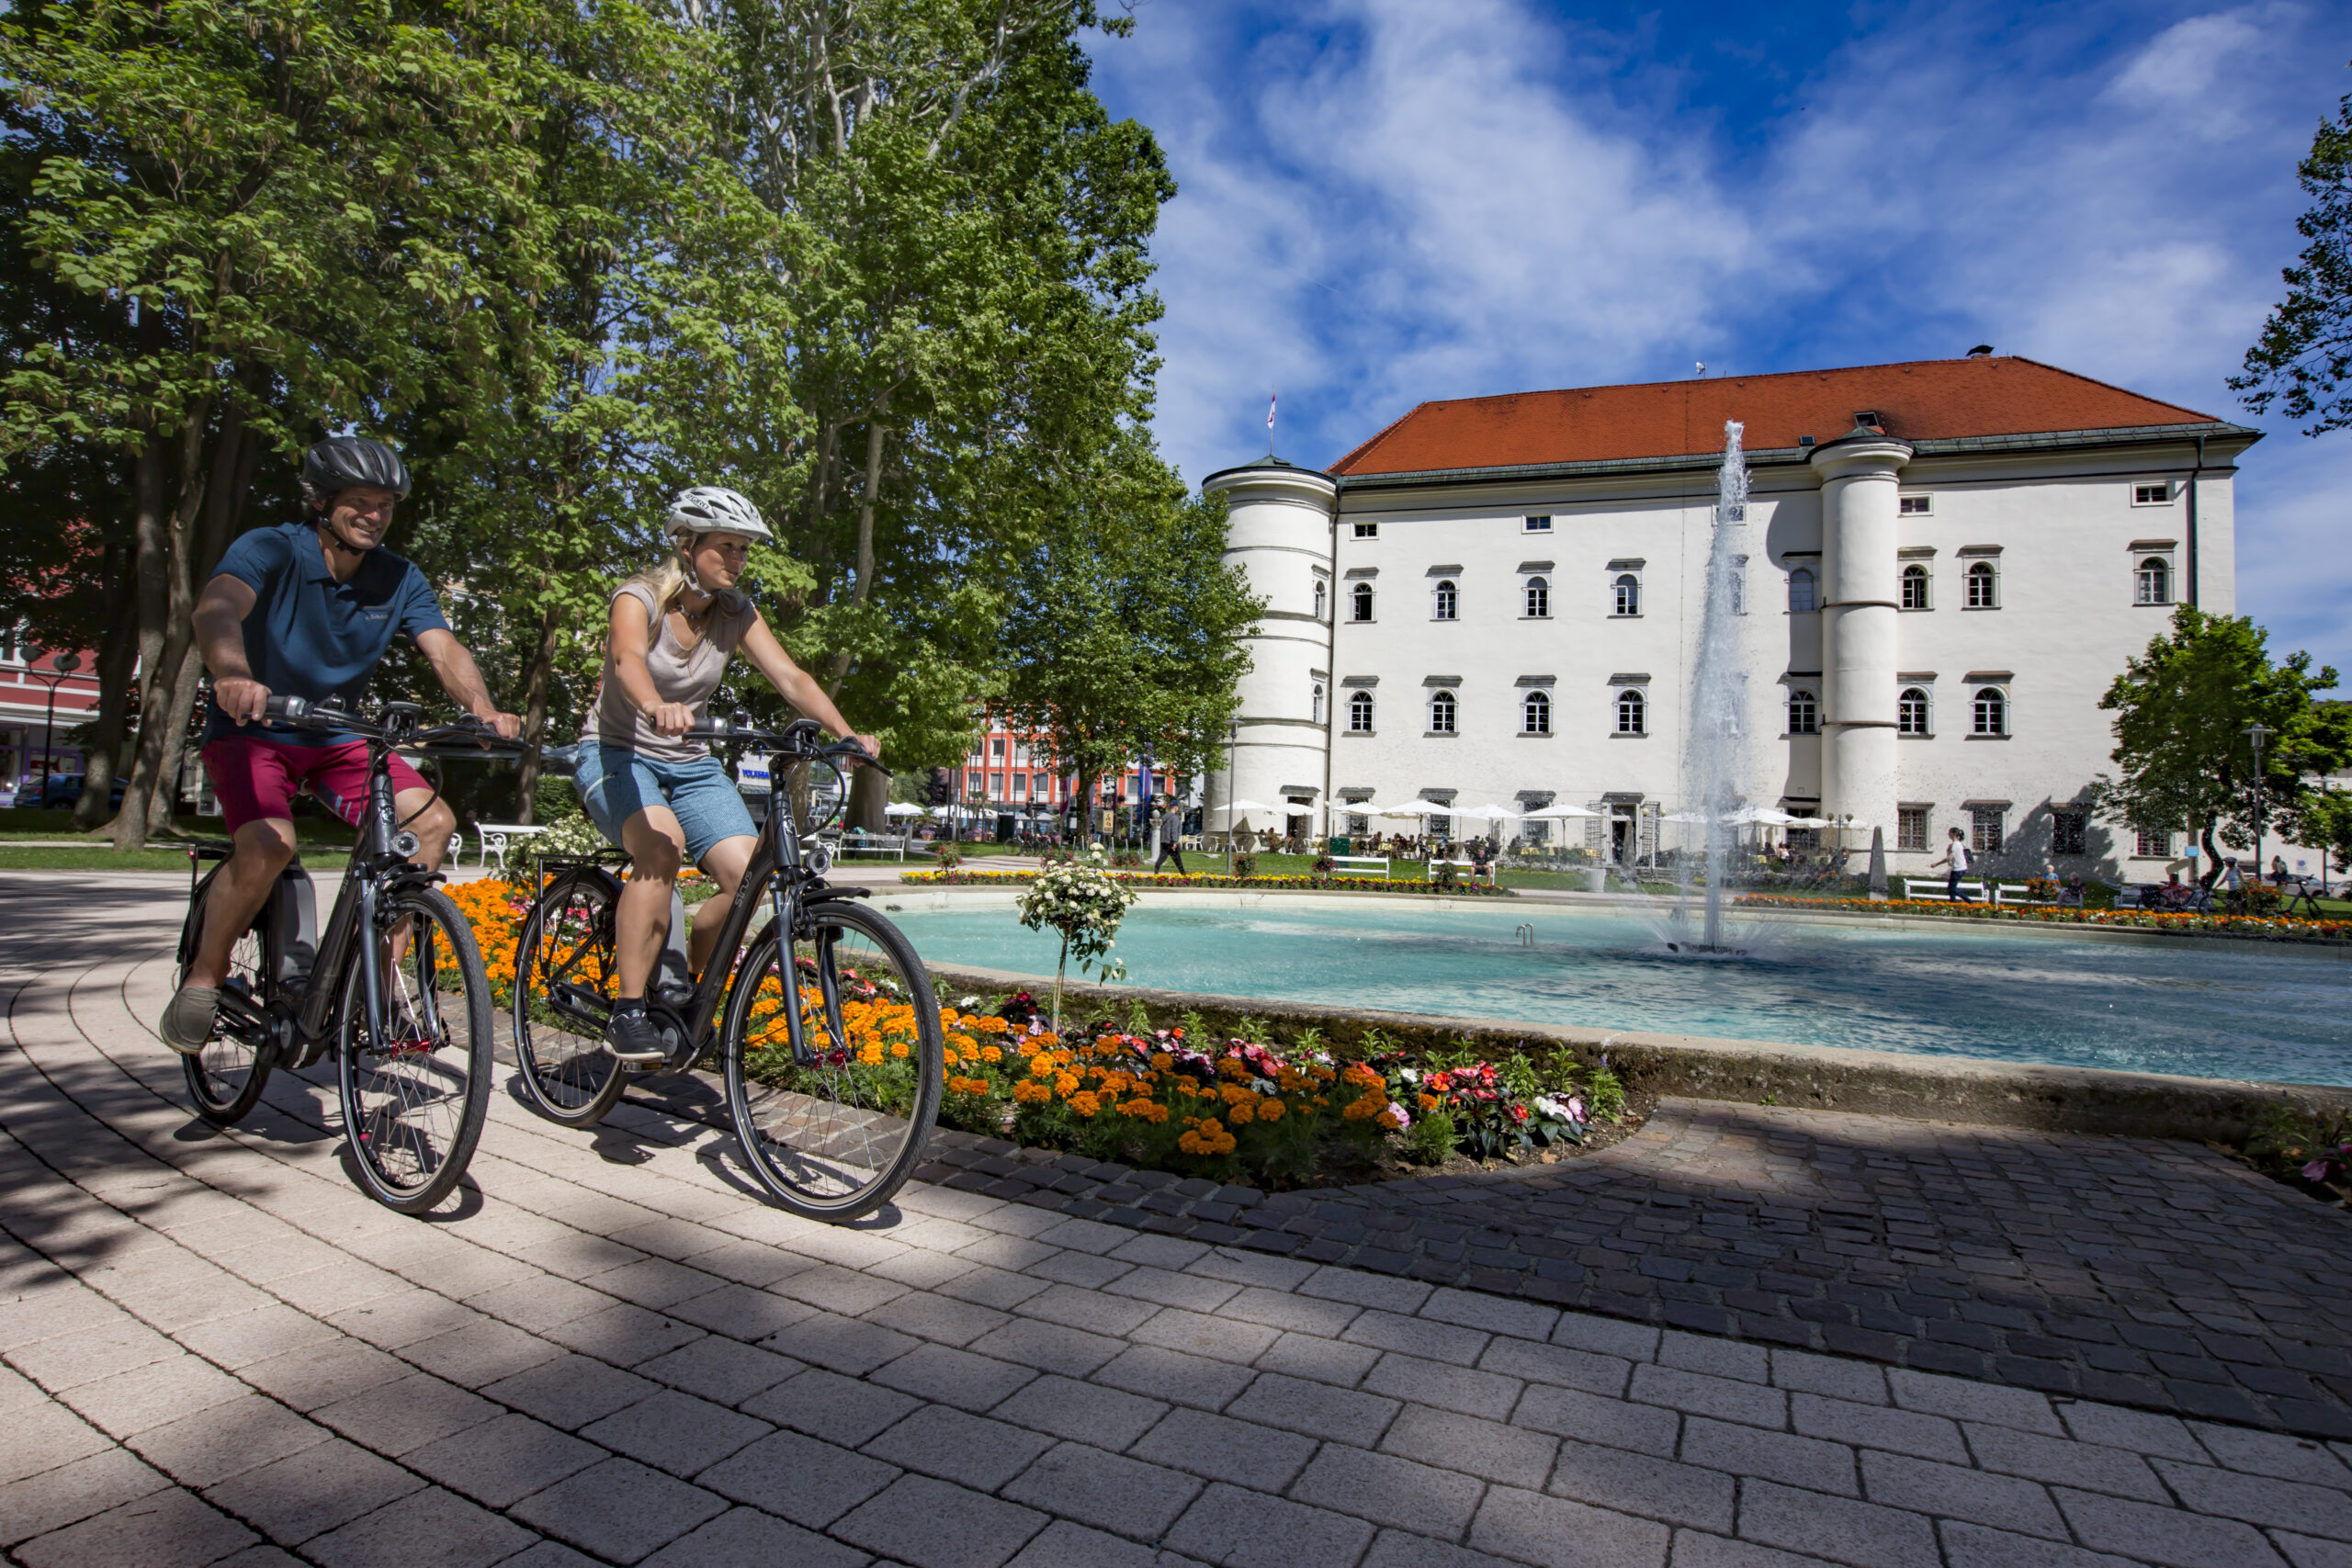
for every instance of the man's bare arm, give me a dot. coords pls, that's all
(462, 678)
(220, 625)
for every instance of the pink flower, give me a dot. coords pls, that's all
(2317, 1169)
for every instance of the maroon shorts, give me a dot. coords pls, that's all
(256, 779)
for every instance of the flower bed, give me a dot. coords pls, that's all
(2259, 928)
(1465, 889)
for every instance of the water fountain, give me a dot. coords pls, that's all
(1719, 693)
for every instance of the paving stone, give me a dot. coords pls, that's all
(1862, 1534)
(67, 1494)
(1048, 1347)
(930, 1524)
(1400, 1548)
(1488, 1450)
(1978, 1546)
(571, 1392)
(624, 1335)
(428, 1527)
(971, 1450)
(745, 1538)
(131, 1402)
(2162, 1535)
(1776, 1456)
(1956, 1493)
(2063, 1462)
(1365, 1290)
(309, 1493)
(248, 1336)
(499, 1462)
(1701, 1393)
(1445, 1386)
(394, 1418)
(1081, 1412)
(1073, 1480)
(954, 1377)
(798, 1478)
(2260, 1500)
(1606, 1336)
(42, 1435)
(1559, 1364)
(2310, 1552)
(741, 1312)
(619, 1510)
(1252, 1269)
(481, 1353)
(2141, 1431)
(1066, 1545)
(825, 1404)
(2270, 1453)
(843, 1344)
(1964, 1401)
(170, 1529)
(1175, 1377)
(1557, 1533)
(675, 1432)
(1314, 1410)
(1695, 1549)
(1878, 1426)
(1639, 1429)
(1832, 1377)
(1198, 1334)
(1264, 1459)
(1235, 1529)
(1388, 1490)
(1717, 1358)
(1645, 1485)
(720, 1370)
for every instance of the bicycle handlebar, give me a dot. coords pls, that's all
(799, 738)
(303, 714)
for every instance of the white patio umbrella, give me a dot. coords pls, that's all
(1404, 808)
(903, 808)
(1244, 808)
(1558, 814)
(1491, 813)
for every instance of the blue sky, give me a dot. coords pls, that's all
(1385, 201)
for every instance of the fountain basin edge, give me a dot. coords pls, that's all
(1819, 1078)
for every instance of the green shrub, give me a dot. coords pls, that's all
(1432, 1139)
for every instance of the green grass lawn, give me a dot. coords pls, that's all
(24, 822)
(325, 843)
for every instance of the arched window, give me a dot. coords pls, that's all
(1629, 595)
(1322, 598)
(1446, 602)
(1535, 714)
(1319, 702)
(2155, 581)
(1442, 712)
(1632, 714)
(1980, 586)
(1360, 714)
(1992, 712)
(1914, 587)
(1801, 595)
(1804, 712)
(1539, 599)
(1911, 712)
(1361, 601)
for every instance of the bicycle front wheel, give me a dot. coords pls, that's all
(565, 970)
(833, 1134)
(416, 1081)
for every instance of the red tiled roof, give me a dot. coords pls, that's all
(1929, 400)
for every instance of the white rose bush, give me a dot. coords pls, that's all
(1085, 904)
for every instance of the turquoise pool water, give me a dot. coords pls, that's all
(2218, 1012)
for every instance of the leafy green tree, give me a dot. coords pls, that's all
(2181, 713)
(1123, 630)
(2303, 359)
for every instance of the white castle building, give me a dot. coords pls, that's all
(1497, 601)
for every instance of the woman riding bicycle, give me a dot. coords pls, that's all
(652, 791)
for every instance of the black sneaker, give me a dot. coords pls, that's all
(633, 1037)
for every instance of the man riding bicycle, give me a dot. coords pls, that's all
(309, 609)
(650, 789)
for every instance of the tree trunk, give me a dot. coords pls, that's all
(166, 799)
(2212, 872)
(223, 482)
(535, 714)
(131, 825)
(117, 663)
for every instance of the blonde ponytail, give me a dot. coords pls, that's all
(666, 580)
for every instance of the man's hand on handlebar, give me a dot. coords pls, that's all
(241, 701)
(508, 724)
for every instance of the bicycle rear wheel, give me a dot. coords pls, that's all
(833, 1137)
(415, 1083)
(564, 963)
(225, 1078)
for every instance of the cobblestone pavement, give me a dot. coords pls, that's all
(216, 1351)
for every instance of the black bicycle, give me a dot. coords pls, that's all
(830, 1040)
(395, 986)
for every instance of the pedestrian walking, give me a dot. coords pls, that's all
(1170, 829)
(1956, 858)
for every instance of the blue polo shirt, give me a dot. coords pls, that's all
(310, 637)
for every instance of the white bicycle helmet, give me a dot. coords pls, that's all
(713, 508)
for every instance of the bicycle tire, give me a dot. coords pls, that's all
(568, 1077)
(226, 1078)
(836, 1140)
(414, 1106)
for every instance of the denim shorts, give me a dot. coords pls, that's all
(616, 783)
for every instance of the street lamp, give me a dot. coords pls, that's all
(2259, 734)
(64, 664)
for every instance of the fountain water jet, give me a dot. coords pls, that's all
(1711, 772)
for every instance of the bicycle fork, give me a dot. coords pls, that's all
(785, 905)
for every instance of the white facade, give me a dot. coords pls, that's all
(1928, 627)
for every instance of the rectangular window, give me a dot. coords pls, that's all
(1911, 828)
(996, 787)
(1367, 530)
(996, 749)
(1358, 826)
(2069, 832)
(972, 781)
(2150, 845)
(1917, 506)
(2152, 495)
(1539, 525)
(1984, 829)
(1020, 786)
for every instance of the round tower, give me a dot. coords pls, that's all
(1279, 532)
(1859, 475)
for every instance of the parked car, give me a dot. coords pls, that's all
(65, 789)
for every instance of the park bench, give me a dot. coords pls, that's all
(1469, 868)
(1927, 892)
(853, 844)
(495, 837)
(1360, 866)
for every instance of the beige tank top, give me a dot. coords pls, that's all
(688, 675)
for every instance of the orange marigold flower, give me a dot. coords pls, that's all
(1271, 1110)
(1161, 1061)
(992, 1053)
(1029, 1091)
(1241, 1114)
(1084, 1102)
(1041, 1066)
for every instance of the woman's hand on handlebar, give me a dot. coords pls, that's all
(672, 720)
(241, 700)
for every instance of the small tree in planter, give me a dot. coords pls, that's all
(1080, 900)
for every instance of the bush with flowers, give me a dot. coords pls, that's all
(2258, 927)
(1084, 903)
(2306, 1148)
(1244, 875)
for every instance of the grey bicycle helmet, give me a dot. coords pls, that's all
(713, 508)
(341, 462)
